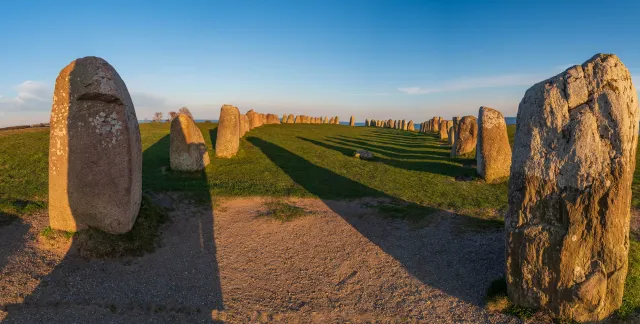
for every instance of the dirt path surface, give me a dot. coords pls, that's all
(340, 263)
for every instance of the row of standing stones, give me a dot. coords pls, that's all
(232, 125)
(396, 124)
(567, 226)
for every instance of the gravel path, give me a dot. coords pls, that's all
(343, 262)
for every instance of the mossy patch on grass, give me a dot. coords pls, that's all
(283, 211)
(143, 237)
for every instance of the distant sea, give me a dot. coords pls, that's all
(509, 120)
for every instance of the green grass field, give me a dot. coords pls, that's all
(413, 170)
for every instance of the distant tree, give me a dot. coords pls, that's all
(172, 115)
(157, 117)
(185, 110)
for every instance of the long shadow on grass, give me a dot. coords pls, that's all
(393, 147)
(390, 150)
(446, 169)
(461, 265)
(163, 270)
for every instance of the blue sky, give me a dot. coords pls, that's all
(371, 59)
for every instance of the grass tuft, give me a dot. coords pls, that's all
(142, 238)
(54, 234)
(283, 211)
(498, 301)
(631, 298)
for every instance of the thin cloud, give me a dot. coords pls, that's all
(30, 96)
(476, 83)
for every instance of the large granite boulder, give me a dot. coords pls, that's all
(493, 152)
(228, 138)
(567, 226)
(363, 155)
(187, 149)
(95, 153)
(466, 136)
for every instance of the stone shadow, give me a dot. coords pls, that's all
(178, 282)
(12, 233)
(461, 265)
(439, 166)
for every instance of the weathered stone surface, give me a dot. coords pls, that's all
(337, 120)
(263, 119)
(332, 120)
(410, 126)
(352, 121)
(228, 138)
(363, 155)
(443, 130)
(493, 152)
(455, 120)
(187, 149)
(254, 119)
(570, 191)
(466, 136)
(290, 119)
(95, 155)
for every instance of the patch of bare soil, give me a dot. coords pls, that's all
(340, 262)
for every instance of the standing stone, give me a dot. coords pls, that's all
(455, 120)
(263, 119)
(570, 191)
(331, 121)
(493, 150)
(95, 155)
(290, 119)
(466, 136)
(443, 130)
(452, 134)
(352, 121)
(272, 119)
(366, 122)
(228, 139)
(244, 125)
(410, 126)
(254, 119)
(187, 149)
